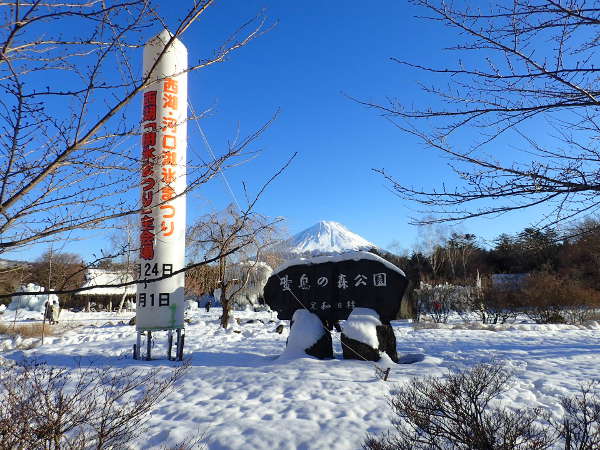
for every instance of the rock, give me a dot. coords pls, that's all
(132, 321)
(387, 341)
(309, 335)
(353, 349)
(279, 329)
(323, 348)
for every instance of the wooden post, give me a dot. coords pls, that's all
(386, 374)
(44, 321)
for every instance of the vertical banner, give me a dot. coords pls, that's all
(160, 304)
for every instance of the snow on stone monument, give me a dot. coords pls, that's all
(359, 284)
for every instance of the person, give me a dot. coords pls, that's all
(54, 312)
(208, 305)
(48, 311)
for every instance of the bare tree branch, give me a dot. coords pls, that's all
(531, 75)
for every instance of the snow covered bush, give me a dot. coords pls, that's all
(191, 305)
(44, 407)
(30, 302)
(437, 301)
(490, 305)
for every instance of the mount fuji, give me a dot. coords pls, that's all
(325, 238)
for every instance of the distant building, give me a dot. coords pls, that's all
(104, 297)
(9, 263)
(509, 281)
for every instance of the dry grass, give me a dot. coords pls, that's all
(27, 330)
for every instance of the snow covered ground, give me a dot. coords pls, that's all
(240, 394)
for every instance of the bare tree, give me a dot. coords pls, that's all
(66, 153)
(218, 233)
(201, 280)
(459, 250)
(125, 243)
(432, 241)
(57, 270)
(524, 72)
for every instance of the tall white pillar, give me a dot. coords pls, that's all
(160, 304)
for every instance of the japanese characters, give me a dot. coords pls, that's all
(333, 289)
(160, 303)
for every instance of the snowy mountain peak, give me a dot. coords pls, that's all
(327, 237)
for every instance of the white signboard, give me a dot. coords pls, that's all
(160, 304)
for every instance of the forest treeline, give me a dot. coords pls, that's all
(455, 258)
(459, 257)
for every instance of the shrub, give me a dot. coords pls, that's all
(45, 407)
(580, 426)
(547, 298)
(455, 413)
(496, 305)
(437, 301)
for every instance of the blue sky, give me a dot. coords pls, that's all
(317, 55)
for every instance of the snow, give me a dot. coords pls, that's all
(31, 303)
(258, 274)
(306, 331)
(348, 256)
(97, 277)
(239, 393)
(361, 326)
(191, 306)
(326, 237)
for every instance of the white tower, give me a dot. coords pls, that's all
(160, 303)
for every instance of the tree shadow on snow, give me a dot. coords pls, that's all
(237, 359)
(411, 358)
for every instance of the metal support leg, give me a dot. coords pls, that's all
(137, 346)
(148, 345)
(180, 340)
(170, 344)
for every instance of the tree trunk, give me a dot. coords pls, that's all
(225, 305)
(122, 301)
